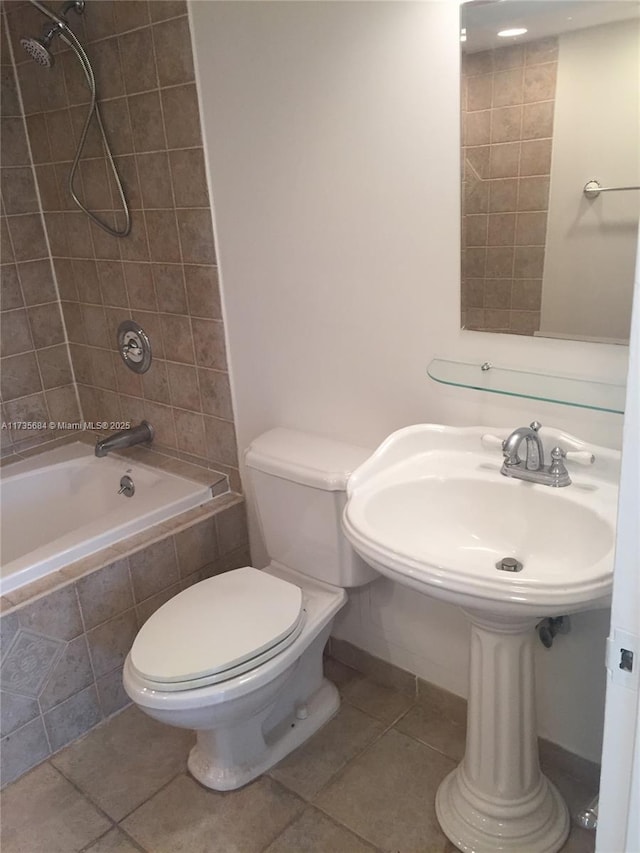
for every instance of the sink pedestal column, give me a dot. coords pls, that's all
(497, 799)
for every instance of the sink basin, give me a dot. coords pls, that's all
(431, 510)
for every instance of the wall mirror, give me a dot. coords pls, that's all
(550, 102)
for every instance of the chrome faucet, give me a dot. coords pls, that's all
(532, 468)
(144, 432)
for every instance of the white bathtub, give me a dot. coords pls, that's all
(62, 505)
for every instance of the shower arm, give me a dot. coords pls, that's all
(68, 36)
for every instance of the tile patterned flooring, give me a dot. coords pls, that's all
(365, 783)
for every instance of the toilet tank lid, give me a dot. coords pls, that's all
(305, 458)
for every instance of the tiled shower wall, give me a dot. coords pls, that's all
(507, 109)
(35, 371)
(164, 274)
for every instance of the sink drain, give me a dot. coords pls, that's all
(509, 564)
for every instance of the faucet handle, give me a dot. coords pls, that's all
(535, 425)
(491, 441)
(582, 457)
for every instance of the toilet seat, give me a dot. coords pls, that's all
(217, 629)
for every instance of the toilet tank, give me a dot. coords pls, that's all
(299, 481)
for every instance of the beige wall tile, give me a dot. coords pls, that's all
(497, 293)
(478, 159)
(529, 262)
(503, 195)
(197, 546)
(62, 404)
(170, 289)
(540, 82)
(177, 338)
(511, 56)
(499, 262)
(27, 236)
(478, 63)
(55, 367)
(20, 376)
(146, 122)
(196, 236)
(183, 382)
(533, 194)
(105, 593)
(474, 261)
(155, 383)
(506, 124)
(526, 294)
(164, 244)
(477, 128)
(138, 62)
(476, 229)
(531, 229)
(476, 196)
(472, 293)
(15, 332)
(505, 160)
(163, 423)
(536, 157)
(112, 283)
(181, 116)
(190, 432)
(507, 88)
(139, 284)
(496, 319)
(501, 231)
(155, 181)
(189, 178)
(541, 50)
(203, 292)
(524, 322)
(537, 120)
(136, 246)
(18, 190)
(174, 59)
(153, 569)
(105, 58)
(479, 91)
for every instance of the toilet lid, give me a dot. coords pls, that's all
(218, 624)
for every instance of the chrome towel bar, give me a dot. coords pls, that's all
(592, 189)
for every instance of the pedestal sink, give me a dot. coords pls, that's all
(431, 510)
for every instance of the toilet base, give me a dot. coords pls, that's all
(211, 763)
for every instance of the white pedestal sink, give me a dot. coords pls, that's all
(431, 510)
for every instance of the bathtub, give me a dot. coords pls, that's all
(63, 504)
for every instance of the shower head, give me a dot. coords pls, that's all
(38, 49)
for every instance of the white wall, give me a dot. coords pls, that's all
(590, 247)
(332, 141)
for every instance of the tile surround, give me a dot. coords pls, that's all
(164, 274)
(65, 638)
(508, 99)
(32, 331)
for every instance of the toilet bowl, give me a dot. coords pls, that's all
(238, 657)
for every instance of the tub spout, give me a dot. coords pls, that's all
(125, 438)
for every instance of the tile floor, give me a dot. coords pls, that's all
(365, 782)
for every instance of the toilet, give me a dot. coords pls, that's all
(238, 657)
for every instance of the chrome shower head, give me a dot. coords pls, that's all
(38, 49)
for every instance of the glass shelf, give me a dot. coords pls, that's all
(567, 390)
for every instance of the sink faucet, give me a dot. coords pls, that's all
(144, 432)
(532, 468)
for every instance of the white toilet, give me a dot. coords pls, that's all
(238, 657)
